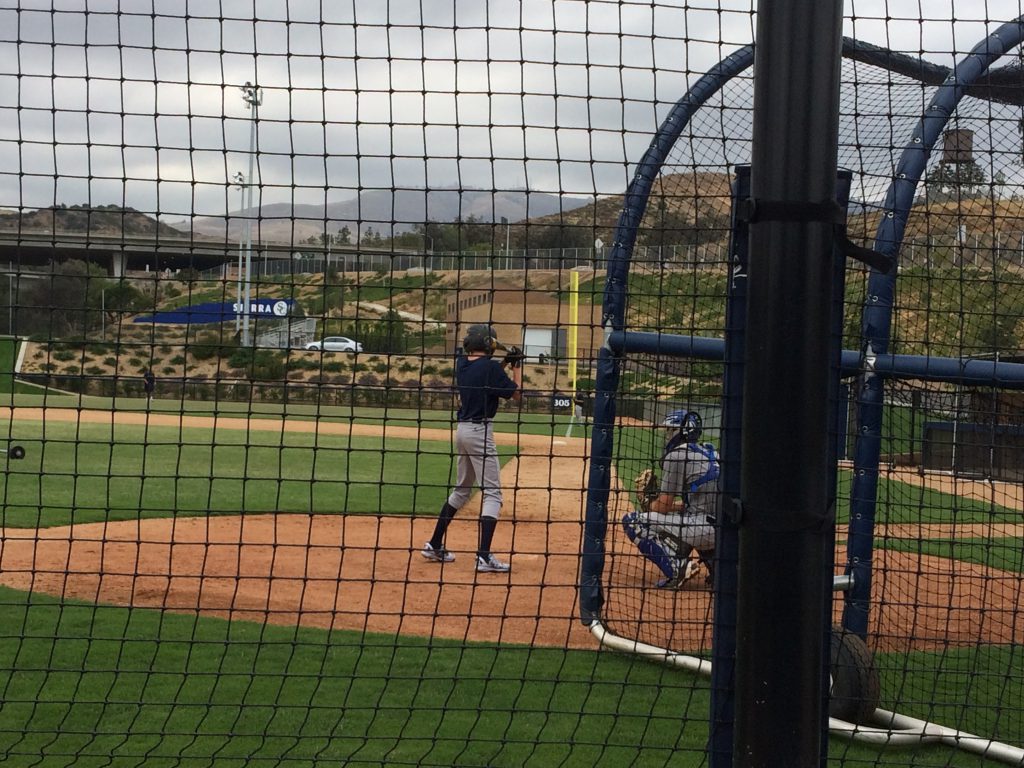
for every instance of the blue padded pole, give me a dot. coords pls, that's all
(954, 370)
(613, 317)
(877, 318)
(723, 639)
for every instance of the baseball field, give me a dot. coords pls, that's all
(214, 590)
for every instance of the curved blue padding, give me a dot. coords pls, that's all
(961, 79)
(877, 316)
(613, 318)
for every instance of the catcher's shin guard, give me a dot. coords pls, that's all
(649, 544)
(654, 550)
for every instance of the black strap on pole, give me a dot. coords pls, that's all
(828, 211)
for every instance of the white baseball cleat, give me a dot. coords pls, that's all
(440, 555)
(491, 564)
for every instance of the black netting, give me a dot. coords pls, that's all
(242, 245)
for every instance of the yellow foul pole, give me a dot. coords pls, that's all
(574, 311)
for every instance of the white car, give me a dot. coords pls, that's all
(335, 344)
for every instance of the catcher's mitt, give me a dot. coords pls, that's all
(646, 486)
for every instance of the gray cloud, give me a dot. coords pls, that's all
(133, 103)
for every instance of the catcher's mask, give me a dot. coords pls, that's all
(481, 337)
(688, 423)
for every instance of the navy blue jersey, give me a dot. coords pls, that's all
(482, 382)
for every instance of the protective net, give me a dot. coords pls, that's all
(244, 245)
(946, 559)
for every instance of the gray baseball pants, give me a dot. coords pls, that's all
(478, 467)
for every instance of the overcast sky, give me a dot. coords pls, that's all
(137, 102)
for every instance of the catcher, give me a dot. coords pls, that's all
(677, 517)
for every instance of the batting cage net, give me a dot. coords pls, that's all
(946, 568)
(256, 509)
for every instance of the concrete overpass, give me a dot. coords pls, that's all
(120, 255)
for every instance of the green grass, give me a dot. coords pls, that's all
(900, 502)
(1004, 554)
(8, 359)
(902, 428)
(384, 289)
(103, 686)
(93, 472)
(979, 690)
(117, 683)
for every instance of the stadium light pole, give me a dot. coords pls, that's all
(504, 220)
(239, 179)
(253, 96)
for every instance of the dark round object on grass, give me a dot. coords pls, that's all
(16, 452)
(855, 689)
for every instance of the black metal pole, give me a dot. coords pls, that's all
(785, 491)
(723, 645)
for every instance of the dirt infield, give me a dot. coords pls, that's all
(358, 572)
(919, 602)
(364, 572)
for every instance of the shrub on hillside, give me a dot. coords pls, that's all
(203, 351)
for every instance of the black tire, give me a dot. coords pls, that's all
(16, 452)
(855, 689)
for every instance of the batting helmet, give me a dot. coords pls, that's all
(481, 337)
(688, 423)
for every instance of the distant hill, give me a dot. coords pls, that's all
(686, 199)
(678, 203)
(96, 220)
(387, 212)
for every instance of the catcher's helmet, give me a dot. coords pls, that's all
(688, 423)
(481, 337)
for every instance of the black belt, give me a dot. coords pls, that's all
(476, 421)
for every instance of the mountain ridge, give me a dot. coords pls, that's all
(387, 212)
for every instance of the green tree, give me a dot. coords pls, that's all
(951, 180)
(64, 302)
(120, 296)
(385, 336)
(559, 236)
(999, 182)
